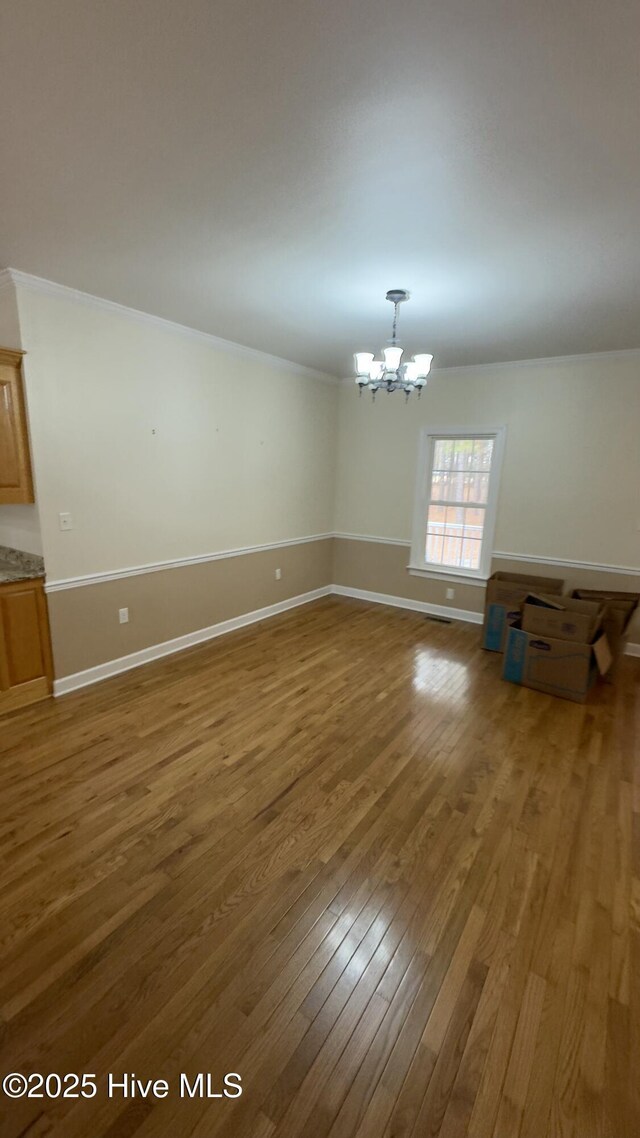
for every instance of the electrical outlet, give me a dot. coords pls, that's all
(450, 594)
(65, 521)
(278, 574)
(123, 616)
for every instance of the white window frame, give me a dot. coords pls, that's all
(419, 565)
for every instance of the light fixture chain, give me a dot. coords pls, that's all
(395, 321)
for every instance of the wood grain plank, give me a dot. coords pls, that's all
(337, 854)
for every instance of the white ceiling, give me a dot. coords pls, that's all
(266, 169)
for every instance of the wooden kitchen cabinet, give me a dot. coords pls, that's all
(16, 483)
(26, 668)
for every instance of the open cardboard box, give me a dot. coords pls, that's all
(564, 618)
(618, 610)
(564, 668)
(503, 601)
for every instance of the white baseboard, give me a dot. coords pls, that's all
(168, 647)
(435, 610)
(406, 603)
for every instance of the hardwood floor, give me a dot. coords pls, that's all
(336, 854)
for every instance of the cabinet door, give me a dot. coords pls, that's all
(15, 464)
(25, 650)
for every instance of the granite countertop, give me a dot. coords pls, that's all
(18, 566)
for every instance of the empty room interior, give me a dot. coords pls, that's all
(319, 569)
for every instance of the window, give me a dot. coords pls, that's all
(456, 501)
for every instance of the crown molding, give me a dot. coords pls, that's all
(544, 361)
(19, 279)
(507, 365)
(50, 288)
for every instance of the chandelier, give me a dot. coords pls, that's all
(390, 373)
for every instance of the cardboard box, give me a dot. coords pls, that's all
(618, 611)
(563, 668)
(503, 601)
(563, 618)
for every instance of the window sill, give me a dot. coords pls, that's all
(443, 575)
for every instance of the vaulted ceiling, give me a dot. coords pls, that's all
(266, 169)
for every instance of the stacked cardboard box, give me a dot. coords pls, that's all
(554, 643)
(559, 646)
(503, 602)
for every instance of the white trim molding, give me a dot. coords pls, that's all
(627, 570)
(406, 603)
(56, 586)
(189, 640)
(437, 575)
(509, 365)
(502, 555)
(179, 563)
(19, 279)
(52, 288)
(377, 540)
(429, 436)
(466, 615)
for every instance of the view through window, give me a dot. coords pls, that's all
(457, 501)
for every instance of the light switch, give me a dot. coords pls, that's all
(65, 521)
(123, 616)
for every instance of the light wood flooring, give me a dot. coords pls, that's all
(336, 854)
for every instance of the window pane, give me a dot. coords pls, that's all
(455, 519)
(459, 486)
(471, 553)
(448, 487)
(482, 454)
(454, 535)
(461, 469)
(476, 488)
(474, 521)
(436, 519)
(452, 550)
(463, 454)
(442, 454)
(459, 474)
(434, 548)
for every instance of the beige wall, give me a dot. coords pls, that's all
(164, 447)
(381, 568)
(570, 486)
(161, 446)
(174, 602)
